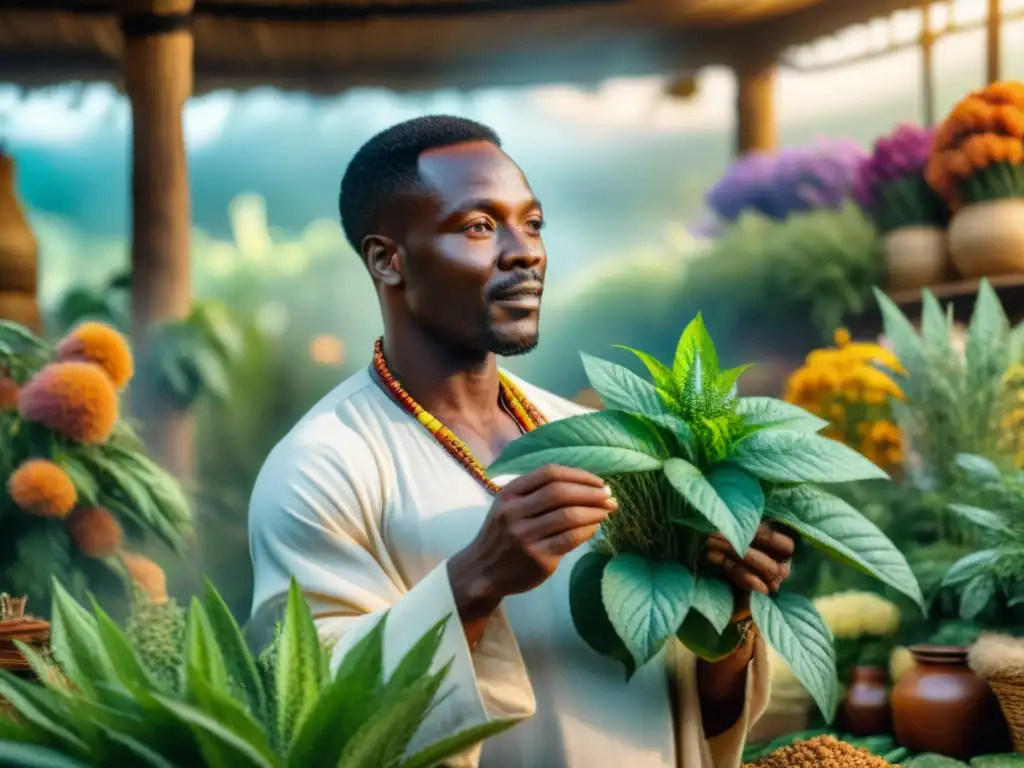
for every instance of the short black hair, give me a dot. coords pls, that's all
(387, 166)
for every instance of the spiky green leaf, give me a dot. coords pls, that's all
(299, 673)
(621, 389)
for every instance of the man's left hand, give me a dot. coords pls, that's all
(765, 566)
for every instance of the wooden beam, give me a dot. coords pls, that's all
(157, 68)
(756, 129)
(927, 64)
(994, 46)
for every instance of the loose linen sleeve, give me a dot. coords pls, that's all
(316, 515)
(726, 749)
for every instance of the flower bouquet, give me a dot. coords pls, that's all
(76, 478)
(792, 181)
(845, 386)
(976, 166)
(686, 457)
(890, 187)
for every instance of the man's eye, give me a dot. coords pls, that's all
(479, 227)
(535, 224)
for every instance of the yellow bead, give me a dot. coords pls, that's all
(424, 418)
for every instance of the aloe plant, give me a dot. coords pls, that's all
(686, 457)
(107, 709)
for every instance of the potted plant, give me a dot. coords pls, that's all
(976, 166)
(225, 706)
(909, 215)
(77, 483)
(685, 457)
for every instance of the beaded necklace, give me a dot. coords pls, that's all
(512, 400)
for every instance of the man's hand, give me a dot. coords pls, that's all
(765, 567)
(533, 523)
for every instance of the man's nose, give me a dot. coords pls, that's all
(521, 249)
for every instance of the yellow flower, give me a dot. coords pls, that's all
(855, 614)
(841, 337)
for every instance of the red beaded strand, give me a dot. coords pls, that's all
(522, 410)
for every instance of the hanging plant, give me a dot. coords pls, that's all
(685, 457)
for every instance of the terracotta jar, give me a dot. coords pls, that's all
(915, 257)
(866, 709)
(987, 239)
(941, 706)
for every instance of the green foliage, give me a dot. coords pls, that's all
(990, 502)
(117, 475)
(156, 632)
(115, 711)
(685, 457)
(953, 402)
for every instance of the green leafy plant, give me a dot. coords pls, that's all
(953, 400)
(108, 709)
(685, 457)
(194, 356)
(993, 574)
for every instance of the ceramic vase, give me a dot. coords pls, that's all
(987, 239)
(915, 257)
(941, 706)
(866, 710)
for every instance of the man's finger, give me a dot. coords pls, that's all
(775, 542)
(561, 494)
(565, 542)
(560, 520)
(551, 473)
(739, 574)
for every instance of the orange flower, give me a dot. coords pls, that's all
(100, 344)
(42, 488)
(147, 576)
(95, 531)
(9, 393)
(74, 399)
(841, 337)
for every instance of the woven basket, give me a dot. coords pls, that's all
(1011, 701)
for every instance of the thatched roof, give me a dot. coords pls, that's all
(330, 45)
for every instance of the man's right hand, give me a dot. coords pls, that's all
(533, 523)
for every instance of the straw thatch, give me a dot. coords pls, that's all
(330, 45)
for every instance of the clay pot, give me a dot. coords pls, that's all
(915, 257)
(941, 706)
(987, 239)
(866, 709)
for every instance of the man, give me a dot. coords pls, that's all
(377, 500)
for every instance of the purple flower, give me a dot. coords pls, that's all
(779, 184)
(897, 156)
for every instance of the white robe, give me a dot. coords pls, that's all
(363, 507)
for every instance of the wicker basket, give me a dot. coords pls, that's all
(1011, 701)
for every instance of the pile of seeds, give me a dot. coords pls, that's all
(820, 752)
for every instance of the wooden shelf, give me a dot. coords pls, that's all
(960, 294)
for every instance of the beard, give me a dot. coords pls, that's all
(511, 346)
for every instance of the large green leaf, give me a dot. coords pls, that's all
(839, 530)
(345, 704)
(231, 714)
(702, 495)
(416, 663)
(123, 658)
(984, 519)
(646, 602)
(456, 744)
(622, 390)
(713, 599)
(791, 625)
(694, 345)
(786, 456)
(906, 344)
(976, 595)
(769, 412)
(978, 468)
(987, 348)
(75, 642)
(202, 653)
(388, 733)
(705, 641)
(964, 569)
(589, 615)
(15, 755)
(742, 493)
(679, 435)
(41, 711)
(606, 442)
(238, 660)
(300, 668)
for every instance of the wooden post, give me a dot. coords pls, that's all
(755, 105)
(927, 63)
(19, 266)
(994, 47)
(157, 64)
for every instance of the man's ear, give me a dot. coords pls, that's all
(381, 255)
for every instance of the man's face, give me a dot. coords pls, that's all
(474, 260)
